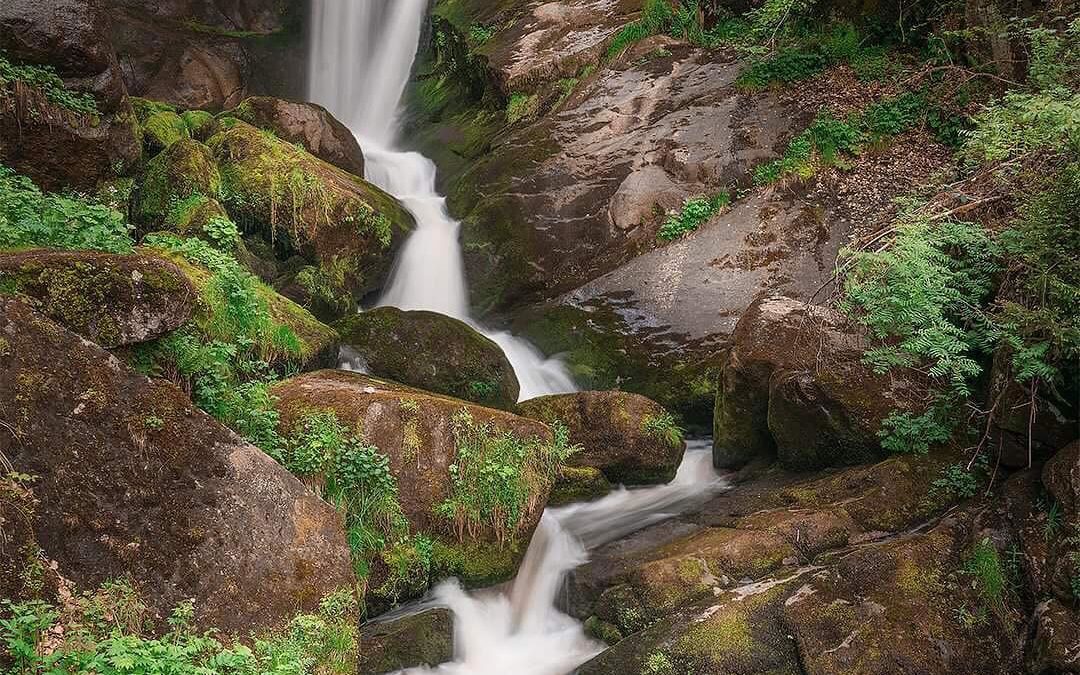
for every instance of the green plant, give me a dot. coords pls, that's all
(107, 632)
(663, 427)
(694, 212)
(48, 82)
(958, 482)
(907, 433)
(522, 107)
(222, 233)
(988, 577)
(657, 663)
(480, 35)
(497, 477)
(31, 218)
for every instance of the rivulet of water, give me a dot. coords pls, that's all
(362, 57)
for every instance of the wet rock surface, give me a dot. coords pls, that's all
(133, 481)
(432, 352)
(112, 300)
(630, 439)
(422, 639)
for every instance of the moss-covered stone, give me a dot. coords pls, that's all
(162, 129)
(423, 639)
(433, 352)
(631, 439)
(579, 484)
(423, 435)
(183, 170)
(309, 207)
(113, 300)
(200, 124)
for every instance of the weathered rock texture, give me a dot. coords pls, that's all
(629, 438)
(424, 639)
(113, 300)
(433, 352)
(133, 481)
(794, 387)
(308, 124)
(416, 430)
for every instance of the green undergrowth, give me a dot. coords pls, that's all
(498, 478)
(31, 218)
(355, 476)
(46, 80)
(695, 212)
(811, 50)
(660, 17)
(664, 428)
(110, 632)
(830, 141)
(943, 294)
(223, 356)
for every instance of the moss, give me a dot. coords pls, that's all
(601, 630)
(74, 296)
(199, 123)
(145, 108)
(162, 129)
(578, 484)
(476, 564)
(183, 170)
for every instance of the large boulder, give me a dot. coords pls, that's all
(306, 124)
(795, 388)
(1061, 476)
(431, 351)
(184, 169)
(113, 300)
(71, 37)
(133, 481)
(347, 228)
(1056, 647)
(629, 438)
(472, 481)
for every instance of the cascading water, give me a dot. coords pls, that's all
(361, 59)
(362, 56)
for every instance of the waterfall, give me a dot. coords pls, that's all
(361, 61)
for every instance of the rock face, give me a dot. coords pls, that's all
(113, 300)
(432, 352)
(208, 54)
(1057, 637)
(134, 481)
(423, 434)
(424, 639)
(794, 387)
(629, 438)
(346, 227)
(1061, 476)
(71, 36)
(307, 124)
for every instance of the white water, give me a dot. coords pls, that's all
(361, 59)
(518, 630)
(362, 56)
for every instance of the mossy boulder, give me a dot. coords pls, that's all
(200, 123)
(134, 482)
(162, 129)
(344, 226)
(430, 440)
(629, 438)
(185, 169)
(308, 125)
(422, 639)
(113, 300)
(433, 352)
(317, 343)
(794, 387)
(579, 484)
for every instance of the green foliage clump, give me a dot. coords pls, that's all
(498, 477)
(988, 576)
(45, 79)
(679, 20)
(958, 482)
(694, 212)
(908, 433)
(807, 53)
(664, 428)
(522, 107)
(30, 218)
(822, 144)
(109, 632)
(479, 34)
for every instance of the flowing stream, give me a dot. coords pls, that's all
(361, 60)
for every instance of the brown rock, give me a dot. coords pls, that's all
(1061, 476)
(631, 439)
(1056, 648)
(113, 300)
(132, 480)
(307, 124)
(423, 639)
(794, 386)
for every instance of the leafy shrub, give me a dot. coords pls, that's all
(30, 218)
(958, 482)
(694, 212)
(46, 79)
(108, 633)
(497, 477)
(905, 433)
(663, 428)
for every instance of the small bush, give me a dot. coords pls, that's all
(693, 214)
(46, 79)
(30, 218)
